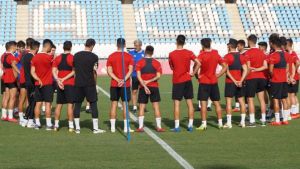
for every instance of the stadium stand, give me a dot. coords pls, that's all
(7, 20)
(261, 17)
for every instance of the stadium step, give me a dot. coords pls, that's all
(129, 24)
(22, 22)
(236, 22)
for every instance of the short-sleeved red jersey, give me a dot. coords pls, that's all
(63, 72)
(294, 60)
(115, 61)
(149, 68)
(180, 63)
(43, 68)
(209, 61)
(256, 58)
(9, 76)
(280, 72)
(230, 60)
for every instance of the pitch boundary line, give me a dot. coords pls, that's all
(161, 142)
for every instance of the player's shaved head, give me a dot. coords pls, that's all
(35, 45)
(252, 38)
(29, 42)
(90, 43)
(21, 44)
(180, 40)
(206, 43)
(67, 46)
(121, 43)
(149, 50)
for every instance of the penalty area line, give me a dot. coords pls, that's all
(161, 142)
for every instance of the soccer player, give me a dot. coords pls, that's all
(115, 71)
(63, 72)
(137, 53)
(11, 70)
(41, 66)
(29, 84)
(85, 84)
(148, 72)
(208, 81)
(180, 62)
(234, 86)
(294, 85)
(256, 81)
(279, 70)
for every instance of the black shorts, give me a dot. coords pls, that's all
(183, 90)
(279, 90)
(231, 90)
(135, 83)
(254, 86)
(22, 85)
(206, 91)
(43, 94)
(65, 96)
(118, 92)
(294, 88)
(88, 92)
(11, 85)
(2, 87)
(154, 96)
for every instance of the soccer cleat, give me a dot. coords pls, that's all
(209, 109)
(242, 125)
(71, 130)
(160, 130)
(98, 131)
(37, 127)
(220, 126)
(4, 118)
(113, 130)
(13, 120)
(30, 125)
(285, 123)
(263, 124)
(190, 129)
(236, 110)
(77, 131)
(295, 116)
(23, 123)
(130, 130)
(55, 128)
(49, 128)
(276, 123)
(175, 130)
(140, 130)
(201, 128)
(227, 126)
(251, 125)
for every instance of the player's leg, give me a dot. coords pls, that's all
(215, 97)
(11, 104)
(142, 100)
(251, 88)
(57, 116)
(113, 115)
(128, 92)
(70, 107)
(261, 99)
(286, 111)
(237, 106)
(241, 100)
(191, 112)
(76, 113)
(177, 95)
(157, 117)
(177, 114)
(22, 101)
(228, 112)
(5, 98)
(49, 125)
(218, 113)
(134, 100)
(37, 112)
(203, 95)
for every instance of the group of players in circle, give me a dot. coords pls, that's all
(30, 78)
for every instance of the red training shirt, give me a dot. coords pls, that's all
(43, 68)
(9, 76)
(256, 58)
(236, 74)
(279, 74)
(294, 60)
(147, 76)
(63, 73)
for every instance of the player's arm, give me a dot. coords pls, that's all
(14, 66)
(142, 82)
(34, 75)
(264, 67)
(271, 69)
(224, 68)
(231, 77)
(157, 77)
(111, 74)
(170, 63)
(245, 72)
(130, 70)
(196, 67)
(68, 76)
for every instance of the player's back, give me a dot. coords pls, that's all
(256, 58)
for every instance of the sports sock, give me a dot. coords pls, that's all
(30, 121)
(71, 125)
(4, 113)
(10, 113)
(134, 107)
(229, 119)
(237, 105)
(252, 117)
(243, 117)
(77, 125)
(191, 121)
(56, 123)
(43, 108)
(113, 124)
(176, 123)
(199, 104)
(158, 122)
(141, 121)
(220, 122)
(95, 124)
(209, 103)
(293, 109)
(87, 107)
(37, 122)
(285, 115)
(277, 117)
(21, 116)
(263, 117)
(204, 123)
(48, 122)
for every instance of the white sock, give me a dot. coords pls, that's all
(77, 123)
(277, 117)
(158, 122)
(56, 123)
(199, 104)
(237, 105)
(252, 117)
(30, 121)
(288, 113)
(209, 103)
(21, 116)
(263, 117)
(48, 122)
(220, 122)
(87, 107)
(112, 124)
(229, 119)
(43, 108)
(297, 109)
(125, 125)
(204, 123)
(141, 121)
(191, 121)
(176, 123)
(95, 124)
(71, 125)
(243, 117)
(134, 107)
(285, 115)
(293, 109)
(37, 122)
(4, 113)
(10, 113)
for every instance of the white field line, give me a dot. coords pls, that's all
(162, 143)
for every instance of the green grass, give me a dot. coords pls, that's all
(269, 147)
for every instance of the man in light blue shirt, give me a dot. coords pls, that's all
(137, 54)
